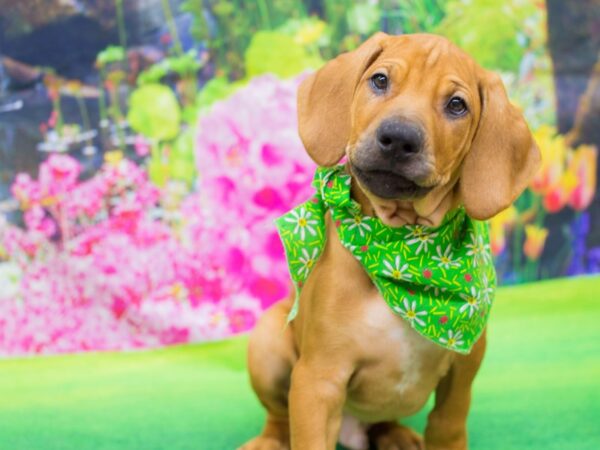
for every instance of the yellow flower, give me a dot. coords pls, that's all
(535, 238)
(583, 167)
(113, 157)
(178, 291)
(554, 151)
(310, 32)
(498, 226)
(557, 195)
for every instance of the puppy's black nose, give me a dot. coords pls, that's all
(399, 139)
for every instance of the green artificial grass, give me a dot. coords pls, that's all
(539, 387)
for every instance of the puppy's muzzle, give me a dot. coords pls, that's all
(392, 163)
(398, 140)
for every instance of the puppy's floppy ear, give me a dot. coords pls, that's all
(503, 156)
(324, 100)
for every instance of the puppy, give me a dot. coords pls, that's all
(430, 140)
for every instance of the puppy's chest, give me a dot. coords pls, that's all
(400, 368)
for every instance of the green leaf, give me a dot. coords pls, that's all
(468, 25)
(277, 53)
(154, 112)
(216, 89)
(181, 159)
(364, 18)
(109, 55)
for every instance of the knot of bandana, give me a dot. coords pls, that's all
(440, 280)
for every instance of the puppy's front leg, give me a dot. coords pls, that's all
(317, 396)
(447, 422)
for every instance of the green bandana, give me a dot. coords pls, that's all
(441, 280)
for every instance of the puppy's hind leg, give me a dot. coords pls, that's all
(271, 356)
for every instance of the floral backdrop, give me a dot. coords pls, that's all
(141, 166)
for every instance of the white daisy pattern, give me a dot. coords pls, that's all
(359, 223)
(395, 270)
(410, 313)
(436, 289)
(478, 249)
(471, 302)
(308, 261)
(453, 339)
(445, 259)
(435, 279)
(421, 237)
(486, 289)
(301, 218)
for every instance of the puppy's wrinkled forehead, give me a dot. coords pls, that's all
(427, 59)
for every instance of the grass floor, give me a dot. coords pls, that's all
(539, 387)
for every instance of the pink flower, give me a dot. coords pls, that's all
(58, 174)
(25, 190)
(37, 221)
(134, 271)
(141, 146)
(253, 168)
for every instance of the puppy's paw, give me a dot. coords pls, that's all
(265, 443)
(396, 437)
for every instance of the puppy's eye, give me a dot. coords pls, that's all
(379, 82)
(456, 107)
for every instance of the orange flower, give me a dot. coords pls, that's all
(558, 194)
(535, 238)
(583, 167)
(554, 150)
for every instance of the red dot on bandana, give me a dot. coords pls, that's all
(411, 292)
(468, 277)
(338, 223)
(364, 248)
(314, 200)
(443, 320)
(427, 273)
(330, 184)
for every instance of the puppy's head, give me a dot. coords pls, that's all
(424, 129)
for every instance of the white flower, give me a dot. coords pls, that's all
(453, 339)
(486, 289)
(395, 270)
(421, 237)
(445, 259)
(478, 249)
(358, 222)
(308, 261)
(436, 290)
(417, 231)
(410, 312)
(302, 220)
(10, 280)
(471, 302)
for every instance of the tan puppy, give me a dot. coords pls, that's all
(424, 129)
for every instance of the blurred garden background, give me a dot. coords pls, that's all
(147, 145)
